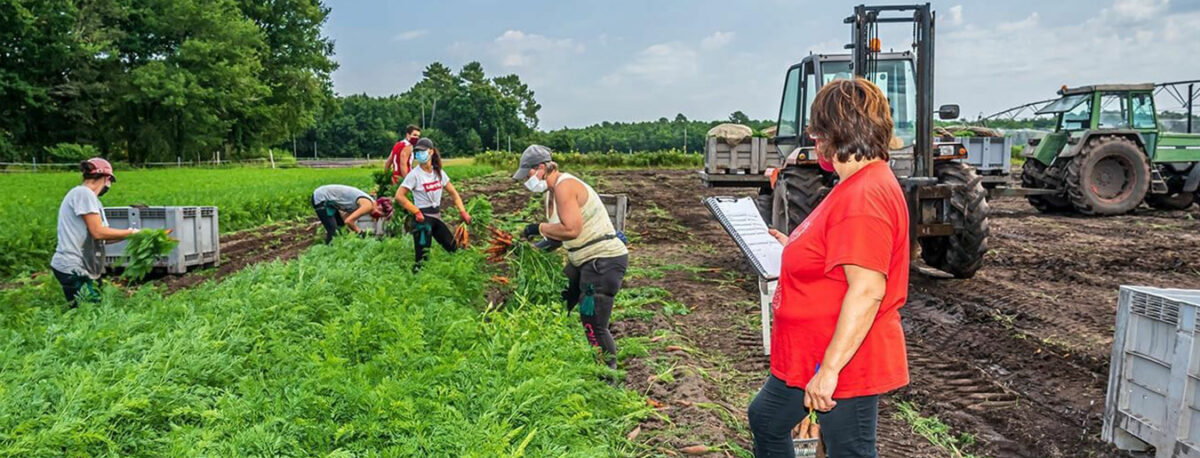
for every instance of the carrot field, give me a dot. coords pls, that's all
(245, 198)
(340, 352)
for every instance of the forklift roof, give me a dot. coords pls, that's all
(1107, 87)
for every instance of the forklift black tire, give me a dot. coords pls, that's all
(763, 201)
(1111, 176)
(801, 189)
(1031, 178)
(1175, 201)
(961, 254)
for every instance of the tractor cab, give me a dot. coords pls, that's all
(1106, 107)
(1107, 155)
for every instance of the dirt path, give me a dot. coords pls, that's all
(279, 241)
(1031, 334)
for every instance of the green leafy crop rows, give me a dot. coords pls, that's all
(320, 356)
(245, 197)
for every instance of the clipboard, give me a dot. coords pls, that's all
(741, 219)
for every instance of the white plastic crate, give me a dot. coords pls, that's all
(1154, 376)
(196, 228)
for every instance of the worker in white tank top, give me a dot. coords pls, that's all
(597, 257)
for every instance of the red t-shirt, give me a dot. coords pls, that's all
(393, 161)
(863, 221)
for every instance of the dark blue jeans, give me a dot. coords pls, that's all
(847, 431)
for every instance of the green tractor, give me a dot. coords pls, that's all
(1107, 154)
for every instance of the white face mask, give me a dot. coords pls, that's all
(533, 184)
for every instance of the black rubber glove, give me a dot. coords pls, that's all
(548, 244)
(530, 231)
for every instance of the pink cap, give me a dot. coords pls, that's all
(102, 167)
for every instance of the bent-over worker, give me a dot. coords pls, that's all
(340, 205)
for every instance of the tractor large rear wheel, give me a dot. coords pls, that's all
(1032, 177)
(961, 254)
(798, 191)
(1109, 177)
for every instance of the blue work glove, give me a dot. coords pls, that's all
(530, 231)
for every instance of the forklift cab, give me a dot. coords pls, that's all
(892, 72)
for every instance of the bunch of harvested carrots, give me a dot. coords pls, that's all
(462, 237)
(501, 242)
(808, 428)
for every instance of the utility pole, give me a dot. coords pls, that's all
(1191, 100)
(685, 139)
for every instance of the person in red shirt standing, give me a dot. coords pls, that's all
(836, 342)
(400, 161)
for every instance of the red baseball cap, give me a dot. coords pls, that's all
(102, 167)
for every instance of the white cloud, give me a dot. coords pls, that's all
(990, 68)
(516, 48)
(716, 40)
(409, 35)
(659, 64)
(1139, 10)
(956, 14)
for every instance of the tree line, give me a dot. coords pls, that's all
(145, 81)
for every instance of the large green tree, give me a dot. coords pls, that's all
(147, 80)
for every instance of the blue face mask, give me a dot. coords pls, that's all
(421, 156)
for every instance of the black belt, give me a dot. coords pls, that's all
(592, 242)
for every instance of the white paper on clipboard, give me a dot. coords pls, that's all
(740, 218)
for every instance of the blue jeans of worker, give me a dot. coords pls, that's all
(847, 431)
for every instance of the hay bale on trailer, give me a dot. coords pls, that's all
(730, 133)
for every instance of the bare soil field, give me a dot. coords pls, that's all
(1015, 358)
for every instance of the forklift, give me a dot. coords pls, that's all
(947, 202)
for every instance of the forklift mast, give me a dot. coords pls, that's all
(865, 47)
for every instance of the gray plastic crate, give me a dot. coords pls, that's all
(989, 155)
(618, 209)
(196, 228)
(1154, 376)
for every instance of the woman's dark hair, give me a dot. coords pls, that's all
(89, 171)
(435, 159)
(851, 118)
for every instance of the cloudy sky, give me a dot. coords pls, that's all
(620, 60)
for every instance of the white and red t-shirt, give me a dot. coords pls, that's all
(426, 187)
(863, 221)
(393, 161)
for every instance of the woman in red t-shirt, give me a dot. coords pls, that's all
(836, 343)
